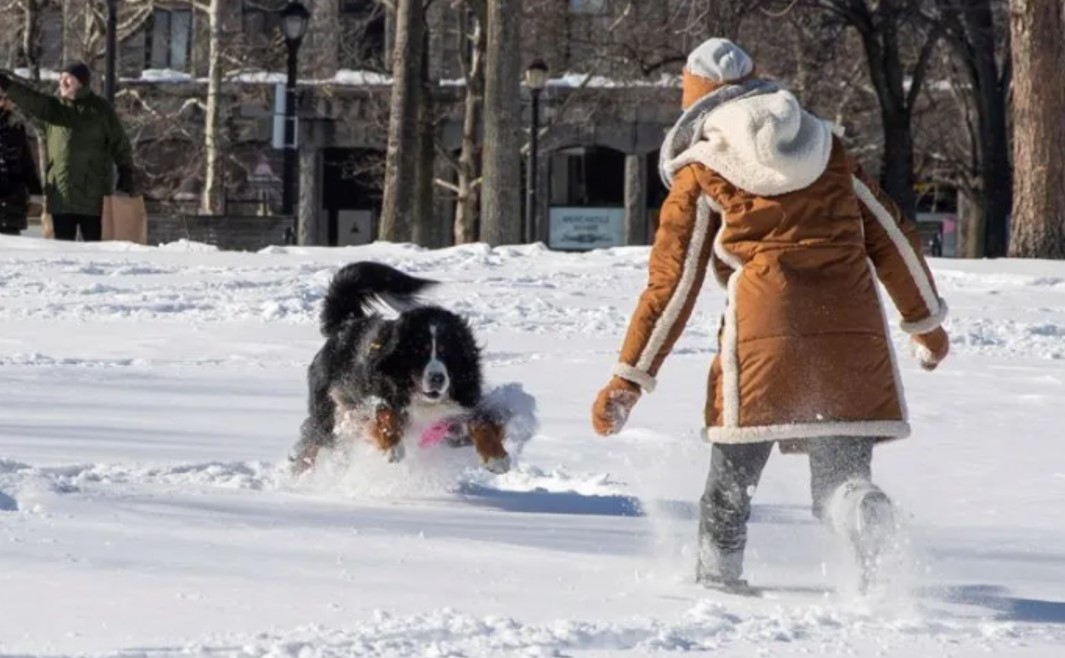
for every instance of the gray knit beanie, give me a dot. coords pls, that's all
(720, 60)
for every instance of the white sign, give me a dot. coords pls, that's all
(354, 227)
(280, 106)
(581, 229)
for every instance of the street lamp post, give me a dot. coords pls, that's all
(294, 19)
(535, 80)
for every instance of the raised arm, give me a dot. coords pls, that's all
(39, 106)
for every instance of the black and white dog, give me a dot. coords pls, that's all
(376, 377)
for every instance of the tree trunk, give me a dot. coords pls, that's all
(635, 199)
(31, 31)
(897, 173)
(996, 173)
(1038, 56)
(469, 170)
(426, 230)
(401, 157)
(972, 224)
(974, 38)
(31, 35)
(879, 31)
(213, 199)
(501, 188)
(993, 150)
(76, 17)
(307, 228)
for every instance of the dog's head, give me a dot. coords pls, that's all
(433, 352)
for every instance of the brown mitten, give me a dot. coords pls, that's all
(612, 406)
(931, 348)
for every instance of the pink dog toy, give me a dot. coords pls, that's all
(435, 433)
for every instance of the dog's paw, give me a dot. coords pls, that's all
(395, 454)
(497, 465)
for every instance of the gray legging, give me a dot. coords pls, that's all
(736, 468)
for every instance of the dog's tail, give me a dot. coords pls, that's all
(356, 287)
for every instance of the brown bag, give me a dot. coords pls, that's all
(125, 218)
(47, 228)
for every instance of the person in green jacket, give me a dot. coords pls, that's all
(84, 138)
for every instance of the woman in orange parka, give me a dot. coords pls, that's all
(765, 198)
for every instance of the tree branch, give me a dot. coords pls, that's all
(450, 187)
(920, 70)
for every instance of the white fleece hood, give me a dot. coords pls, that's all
(761, 142)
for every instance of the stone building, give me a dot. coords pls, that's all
(598, 184)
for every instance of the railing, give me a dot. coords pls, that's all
(227, 232)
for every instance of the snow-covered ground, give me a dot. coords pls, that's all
(150, 396)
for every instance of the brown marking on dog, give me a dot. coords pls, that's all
(386, 428)
(487, 438)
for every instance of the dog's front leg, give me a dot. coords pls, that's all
(387, 431)
(487, 439)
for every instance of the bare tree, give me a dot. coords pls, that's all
(639, 39)
(11, 20)
(213, 199)
(898, 49)
(1039, 132)
(403, 127)
(31, 51)
(362, 38)
(467, 168)
(501, 189)
(132, 17)
(425, 230)
(31, 36)
(978, 34)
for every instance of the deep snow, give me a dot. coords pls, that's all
(151, 394)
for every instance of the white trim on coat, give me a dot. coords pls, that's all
(928, 324)
(636, 376)
(900, 393)
(936, 307)
(881, 429)
(685, 288)
(714, 256)
(729, 354)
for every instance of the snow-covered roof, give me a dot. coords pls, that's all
(358, 78)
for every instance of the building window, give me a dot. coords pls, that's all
(261, 23)
(170, 39)
(595, 7)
